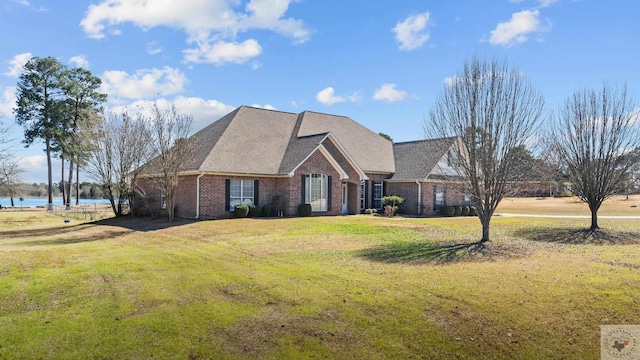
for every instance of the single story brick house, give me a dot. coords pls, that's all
(257, 157)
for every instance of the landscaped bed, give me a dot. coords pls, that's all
(320, 287)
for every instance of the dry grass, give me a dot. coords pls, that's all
(616, 206)
(335, 287)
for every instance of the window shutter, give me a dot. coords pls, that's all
(227, 192)
(384, 188)
(328, 193)
(366, 195)
(373, 190)
(302, 194)
(256, 193)
(444, 196)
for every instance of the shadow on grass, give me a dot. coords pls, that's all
(419, 252)
(87, 232)
(578, 236)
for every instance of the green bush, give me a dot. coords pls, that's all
(447, 210)
(457, 210)
(254, 211)
(265, 211)
(368, 211)
(472, 211)
(465, 211)
(241, 211)
(393, 200)
(304, 210)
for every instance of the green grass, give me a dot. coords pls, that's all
(333, 287)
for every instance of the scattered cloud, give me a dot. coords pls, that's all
(388, 93)
(80, 61)
(450, 80)
(223, 52)
(327, 96)
(204, 112)
(265, 106)
(16, 64)
(143, 83)
(211, 25)
(21, 2)
(153, 48)
(7, 101)
(546, 3)
(518, 28)
(412, 32)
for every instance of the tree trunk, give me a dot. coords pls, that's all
(77, 183)
(70, 181)
(486, 220)
(11, 197)
(63, 185)
(47, 142)
(594, 219)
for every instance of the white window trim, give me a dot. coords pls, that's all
(324, 185)
(242, 196)
(377, 200)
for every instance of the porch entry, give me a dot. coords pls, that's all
(344, 198)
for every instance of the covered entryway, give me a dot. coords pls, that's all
(345, 200)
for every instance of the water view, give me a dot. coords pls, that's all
(34, 202)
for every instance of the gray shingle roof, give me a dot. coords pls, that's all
(369, 150)
(258, 141)
(415, 160)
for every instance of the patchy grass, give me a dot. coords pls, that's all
(334, 287)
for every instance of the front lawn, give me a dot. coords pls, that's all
(330, 287)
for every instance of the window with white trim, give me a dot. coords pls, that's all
(315, 191)
(377, 195)
(438, 197)
(240, 192)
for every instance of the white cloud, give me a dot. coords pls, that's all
(327, 96)
(8, 101)
(143, 83)
(546, 3)
(223, 52)
(412, 32)
(204, 112)
(153, 48)
(207, 23)
(16, 64)
(79, 61)
(21, 2)
(388, 92)
(516, 30)
(265, 106)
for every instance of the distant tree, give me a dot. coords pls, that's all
(9, 175)
(492, 110)
(386, 136)
(173, 150)
(38, 107)
(82, 103)
(121, 145)
(594, 131)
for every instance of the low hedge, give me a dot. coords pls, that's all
(473, 211)
(265, 211)
(304, 210)
(447, 210)
(241, 211)
(465, 211)
(254, 211)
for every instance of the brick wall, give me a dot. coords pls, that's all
(315, 164)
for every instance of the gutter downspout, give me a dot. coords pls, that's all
(198, 194)
(419, 196)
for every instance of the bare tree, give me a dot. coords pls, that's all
(493, 110)
(591, 137)
(172, 148)
(120, 146)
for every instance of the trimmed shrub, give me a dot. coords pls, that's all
(447, 210)
(241, 211)
(472, 211)
(265, 211)
(368, 211)
(304, 210)
(465, 211)
(458, 210)
(254, 211)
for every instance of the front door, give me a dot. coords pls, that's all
(344, 199)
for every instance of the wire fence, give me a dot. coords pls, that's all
(84, 212)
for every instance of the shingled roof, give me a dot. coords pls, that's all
(416, 160)
(268, 142)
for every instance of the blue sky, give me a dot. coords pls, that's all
(381, 63)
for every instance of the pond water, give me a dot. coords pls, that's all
(33, 202)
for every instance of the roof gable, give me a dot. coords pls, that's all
(416, 160)
(370, 151)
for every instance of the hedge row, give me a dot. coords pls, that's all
(458, 210)
(243, 210)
